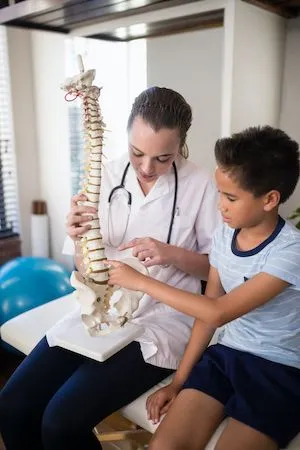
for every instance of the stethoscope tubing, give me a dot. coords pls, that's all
(129, 203)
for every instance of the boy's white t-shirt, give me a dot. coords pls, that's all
(271, 331)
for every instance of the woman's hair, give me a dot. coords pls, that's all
(163, 108)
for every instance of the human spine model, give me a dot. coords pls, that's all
(92, 289)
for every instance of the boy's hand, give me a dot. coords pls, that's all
(159, 403)
(121, 274)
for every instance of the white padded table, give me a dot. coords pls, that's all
(24, 331)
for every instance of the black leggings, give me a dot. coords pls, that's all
(56, 397)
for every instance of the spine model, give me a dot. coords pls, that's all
(92, 289)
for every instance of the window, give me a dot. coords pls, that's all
(121, 71)
(9, 215)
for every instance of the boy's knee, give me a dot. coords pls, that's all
(158, 444)
(164, 443)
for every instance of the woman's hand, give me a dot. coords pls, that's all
(78, 217)
(150, 251)
(121, 274)
(159, 403)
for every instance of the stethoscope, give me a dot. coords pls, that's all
(121, 186)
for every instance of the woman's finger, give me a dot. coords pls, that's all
(153, 261)
(77, 198)
(77, 232)
(81, 209)
(143, 255)
(138, 248)
(127, 245)
(145, 241)
(75, 220)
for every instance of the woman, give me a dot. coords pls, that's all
(56, 397)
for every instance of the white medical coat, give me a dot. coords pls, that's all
(166, 330)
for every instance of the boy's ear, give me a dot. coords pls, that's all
(271, 200)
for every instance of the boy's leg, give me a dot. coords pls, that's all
(266, 398)
(190, 422)
(238, 436)
(94, 391)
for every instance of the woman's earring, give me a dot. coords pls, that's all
(185, 151)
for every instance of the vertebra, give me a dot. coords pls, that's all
(92, 289)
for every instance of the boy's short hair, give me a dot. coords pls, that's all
(261, 159)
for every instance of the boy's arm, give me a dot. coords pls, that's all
(201, 333)
(250, 295)
(216, 312)
(160, 401)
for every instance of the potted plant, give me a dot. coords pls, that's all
(296, 215)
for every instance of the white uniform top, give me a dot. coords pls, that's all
(166, 330)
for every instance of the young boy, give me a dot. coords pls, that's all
(252, 374)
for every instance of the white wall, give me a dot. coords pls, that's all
(290, 111)
(258, 56)
(191, 63)
(24, 124)
(48, 52)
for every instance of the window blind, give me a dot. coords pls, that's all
(75, 121)
(76, 145)
(9, 211)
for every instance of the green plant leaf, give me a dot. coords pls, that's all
(295, 214)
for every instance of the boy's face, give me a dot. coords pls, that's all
(239, 208)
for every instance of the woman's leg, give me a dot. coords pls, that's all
(190, 422)
(94, 391)
(25, 396)
(237, 435)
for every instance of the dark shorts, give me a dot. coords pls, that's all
(262, 394)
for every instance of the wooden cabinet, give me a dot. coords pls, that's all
(10, 248)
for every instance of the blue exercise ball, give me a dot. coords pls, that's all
(27, 282)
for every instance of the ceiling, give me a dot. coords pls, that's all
(65, 16)
(286, 8)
